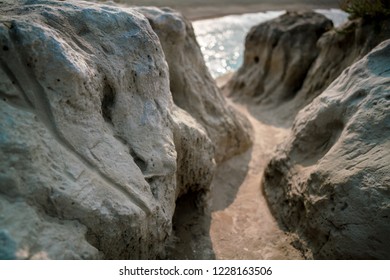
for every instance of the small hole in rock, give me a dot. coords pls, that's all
(256, 59)
(139, 161)
(5, 48)
(108, 102)
(345, 206)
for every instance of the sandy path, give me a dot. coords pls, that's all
(242, 226)
(238, 223)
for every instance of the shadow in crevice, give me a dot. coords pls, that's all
(108, 102)
(191, 228)
(192, 217)
(228, 179)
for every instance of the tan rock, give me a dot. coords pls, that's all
(278, 55)
(338, 49)
(292, 59)
(91, 142)
(193, 89)
(329, 182)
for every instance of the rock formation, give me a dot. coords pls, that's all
(338, 49)
(329, 181)
(193, 89)
(94, 152)
(291, 60)
(278, 55)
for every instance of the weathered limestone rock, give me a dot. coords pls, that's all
(278, 55)
(91, 144)
(195, 154)
(192, 86)
(291, 60)
(338, 49)
(329, 181)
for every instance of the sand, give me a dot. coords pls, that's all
(242, 226)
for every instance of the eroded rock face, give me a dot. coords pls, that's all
(193, 89)
(329, 181)
(91, 142)
(290, 60)
(338, 49)
(278, 55)
(195, 166)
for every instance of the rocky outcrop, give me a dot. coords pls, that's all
(291, 60)
(94, 152)
(329, 181)
(338, 49)
(278, 55)
(193, 89)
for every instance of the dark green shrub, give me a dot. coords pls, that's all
(366, 8)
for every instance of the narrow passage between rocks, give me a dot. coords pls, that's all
(242, 226)
(239, 224)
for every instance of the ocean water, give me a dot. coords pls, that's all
(222, 39)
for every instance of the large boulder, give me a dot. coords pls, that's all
(193, 89)
(93, 152)
(338, 49)
(278, 55)
(292, 59)
(329, 181)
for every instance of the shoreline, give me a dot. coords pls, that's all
(209, 12)
(206, 9)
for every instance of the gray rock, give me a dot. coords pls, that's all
(329, 181)
(7, 246)
(91, 144)
(278, 55)
(292, 59)
(338, 49)
(196, 166)
(193, 89)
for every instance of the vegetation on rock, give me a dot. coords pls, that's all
(366, 8)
